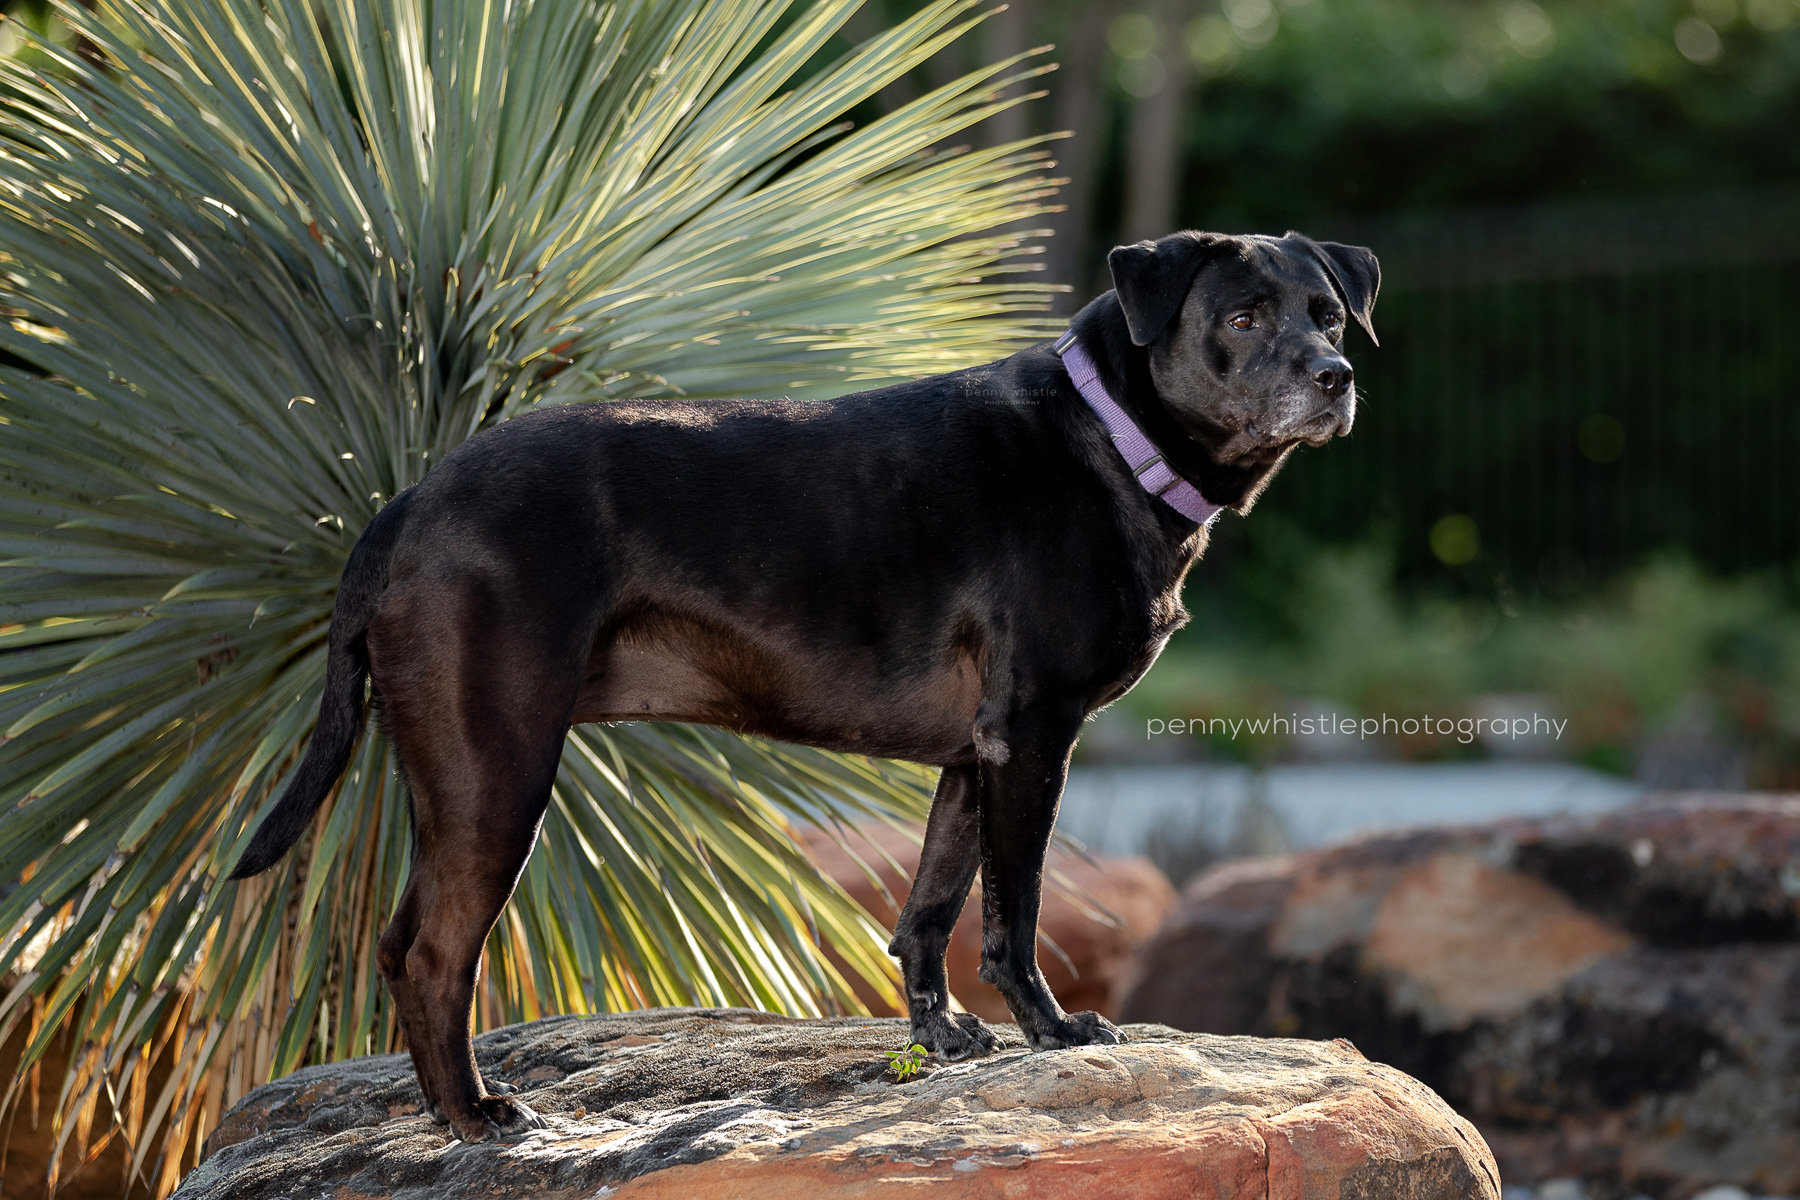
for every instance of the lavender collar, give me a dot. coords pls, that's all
(1141, 455)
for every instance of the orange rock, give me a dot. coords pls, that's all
(1608, 997)
(1476, 942)
(686, 1104)
(1227, 1161)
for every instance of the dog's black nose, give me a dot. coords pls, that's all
(1332, 374)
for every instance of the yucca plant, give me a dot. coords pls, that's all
(264, 261)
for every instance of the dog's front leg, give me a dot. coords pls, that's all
(947, 864)
(1025, 761)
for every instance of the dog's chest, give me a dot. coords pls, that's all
(1145, 643)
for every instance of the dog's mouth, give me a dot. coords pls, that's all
(1322, 417)
(1326, 422)
(1260, 436)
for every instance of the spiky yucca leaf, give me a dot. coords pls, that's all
(273, 260)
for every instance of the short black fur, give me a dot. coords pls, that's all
(956, 571)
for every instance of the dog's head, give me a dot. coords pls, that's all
(1245, 335)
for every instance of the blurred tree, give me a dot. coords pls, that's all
(1155, 72)
(1078, 106)
(1301, 112)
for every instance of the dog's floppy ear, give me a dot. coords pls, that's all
(1152, 278)
(1357, 276)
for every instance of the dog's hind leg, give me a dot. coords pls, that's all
(390, 957)
(477, 698)
(472, 849)
(470, 872)
(947, 865)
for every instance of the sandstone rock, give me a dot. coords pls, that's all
(1614, 998)
(1095, 916)
(702, 1104)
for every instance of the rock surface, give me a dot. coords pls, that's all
(1611, 998)
(1095, 916)
(699, 1104)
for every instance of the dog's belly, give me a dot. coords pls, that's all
(783, 688)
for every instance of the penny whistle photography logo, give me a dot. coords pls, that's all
(994, 392)
(1331, 724)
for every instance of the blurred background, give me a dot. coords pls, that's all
(1570, 492)
(1569, 505)
(1569, 496)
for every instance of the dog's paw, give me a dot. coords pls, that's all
(954, 1036)
(495, 1117)
(1077, 1029)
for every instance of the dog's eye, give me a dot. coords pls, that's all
(1241, 320)
(1332, 320)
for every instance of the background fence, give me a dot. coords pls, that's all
(1562, 390)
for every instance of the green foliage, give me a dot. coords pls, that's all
(906, 1063)
(1386, 98)
(1585, 214)
(1667, 643)
(272, 258)
(21, 21)
(1666, 647)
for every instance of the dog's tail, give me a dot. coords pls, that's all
(341, 707)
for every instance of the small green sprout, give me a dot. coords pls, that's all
(906, 1063)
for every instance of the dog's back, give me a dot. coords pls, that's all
(820, 572)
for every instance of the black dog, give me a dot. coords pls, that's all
(955, 571)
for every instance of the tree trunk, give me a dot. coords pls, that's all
(1078, 94)
(1153, 154)
(1003, 35)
